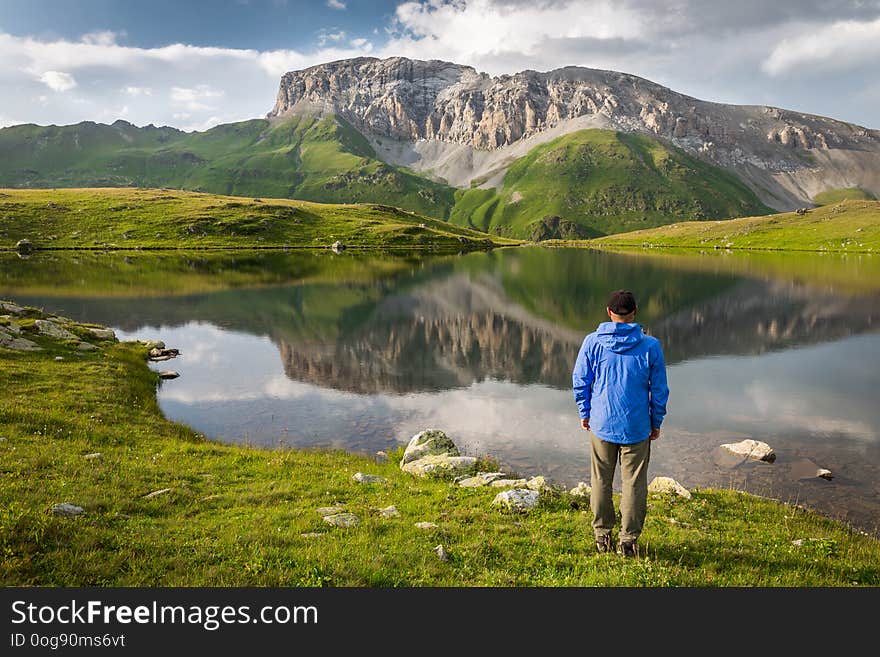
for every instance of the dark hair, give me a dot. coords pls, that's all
(622, 302)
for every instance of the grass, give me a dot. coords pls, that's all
(115, 218)
(596, 182)
(846, 227)
(832, 196)
(309, 158)
(237, 515)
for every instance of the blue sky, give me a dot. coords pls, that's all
(196, 64)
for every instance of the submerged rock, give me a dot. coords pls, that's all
(517, 499)
(807, 469)
(668, 485)
(751, 449)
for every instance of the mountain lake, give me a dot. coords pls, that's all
(360, 351)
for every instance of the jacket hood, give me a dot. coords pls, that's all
(618, 336)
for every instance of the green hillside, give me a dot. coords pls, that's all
(124, 218)
(850, 226)
(309, 158)
(596, 182)
(831, 196)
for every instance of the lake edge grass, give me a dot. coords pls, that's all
(246, 516)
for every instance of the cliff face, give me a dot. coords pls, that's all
(432, 101)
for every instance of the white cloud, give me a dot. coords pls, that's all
(336, 4)
(137, 91)
(195, 99)
(58, 80)
(360, 43)
(104, 38)
(839, 46)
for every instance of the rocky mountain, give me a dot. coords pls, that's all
(467, 127)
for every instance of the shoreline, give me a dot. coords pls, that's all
(163, 505)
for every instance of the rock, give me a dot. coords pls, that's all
(668, 485)
(389, 512)
(102, 333)
(428, 443)
(161, 353)
(159, 359)
(479, 479)
(10, 326)
(581, 490)
(12, 308)
(86, 346)
(752, 449)
(330, 510)
(382, 455)
(93, 456)
(168, 374)
(157, 493)
(517, 499)
(441, 465)
(425, 525)
(342, 520)
(338, 246)
(368, 478)
(18, 344)
(806, 469)
(509, 483)
(53, 330)
(538, 483)
(58, 359)
(24, 246)
(441, 553)
(67, 510)
(312, 534)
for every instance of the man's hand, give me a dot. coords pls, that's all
(585, 423)
(655, 434)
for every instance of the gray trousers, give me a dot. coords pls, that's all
(634, 476)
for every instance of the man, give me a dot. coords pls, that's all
(619, 382)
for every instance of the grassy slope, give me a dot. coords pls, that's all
(847, 227)
(235, 515)
(150, 218)
(604, 182)
(832, 196)
(315, 159)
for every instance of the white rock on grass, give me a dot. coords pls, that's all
(102, 333)
(389, 511)
(431, 442)
(751, 449)
(67, 510)
(508, 483)
(18, 344)
(93, 456)
(517, 499)
(86, 346)
(538, 483)
(330, 510)
(668, 485)
(441, 465)
(425, 525)
(157, 493)
(581, 490)
(53, 330)
(362, 478)
(479, 479)
(441, 553)
(342, 520)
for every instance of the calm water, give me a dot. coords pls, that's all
(358, 352)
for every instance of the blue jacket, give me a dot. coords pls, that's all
(619, 382)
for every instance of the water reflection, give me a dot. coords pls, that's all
(361, 352)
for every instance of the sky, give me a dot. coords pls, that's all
(195, 64)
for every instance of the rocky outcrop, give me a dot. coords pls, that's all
(432, 453)
(417, 101)
(668, 485)
(517, 499)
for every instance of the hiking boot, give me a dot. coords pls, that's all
(628, 549)
(603, 544)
